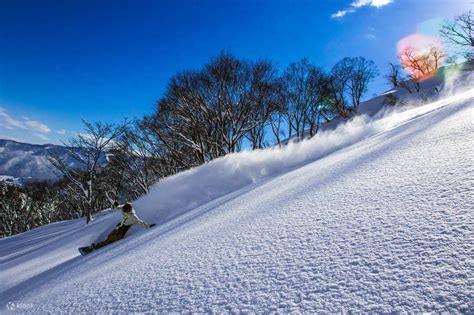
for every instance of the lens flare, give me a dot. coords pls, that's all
(420, 55)
(430, 27)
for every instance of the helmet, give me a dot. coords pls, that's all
(127, 207)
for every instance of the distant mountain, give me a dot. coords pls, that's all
(24, 162)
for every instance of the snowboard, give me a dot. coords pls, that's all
(89, 249)
(86, 250)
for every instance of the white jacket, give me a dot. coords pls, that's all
(131, 218)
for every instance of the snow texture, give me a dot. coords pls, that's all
(373, 216)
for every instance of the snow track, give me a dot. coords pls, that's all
(383, 225)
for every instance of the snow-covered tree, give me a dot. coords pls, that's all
(89, 150)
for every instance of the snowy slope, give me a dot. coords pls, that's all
(373, 216)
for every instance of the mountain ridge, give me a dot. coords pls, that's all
(22, 162)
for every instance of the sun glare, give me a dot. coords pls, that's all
(421, 55)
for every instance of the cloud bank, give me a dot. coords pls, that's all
(359, 4)
(8, 122)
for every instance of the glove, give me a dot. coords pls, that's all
(151, 225)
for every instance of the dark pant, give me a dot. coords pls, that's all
(117, 234)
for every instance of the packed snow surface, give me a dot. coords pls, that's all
(375, 216)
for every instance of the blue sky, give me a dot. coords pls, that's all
(62, 61)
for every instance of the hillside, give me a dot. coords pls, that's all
(373, 215)
(25, 162)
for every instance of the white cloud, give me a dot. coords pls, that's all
(372, 3)
(6, 121)
(11, 123)
(61, 132)
(361, 3)
(341, 13)
(36, 125)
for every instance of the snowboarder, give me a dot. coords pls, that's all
(129, 218)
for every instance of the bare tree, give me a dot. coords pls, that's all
(27, 206)
(234, 93)
(421, 64)
(340, 76)
(394, 77)
(304, 87)
(460, 31)
(363, 72)
(89, 151)
(397, 79)
(138, 160)
(318, 102)
(184, 123)
(350, 78)
(12, 216)
(265, 101)
(208, 113)
(296, 88)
